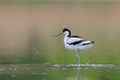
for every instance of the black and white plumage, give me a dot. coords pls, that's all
(75, 43)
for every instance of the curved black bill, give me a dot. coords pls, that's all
(57, 35)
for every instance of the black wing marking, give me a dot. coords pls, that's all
(76, 42)
(88, 43)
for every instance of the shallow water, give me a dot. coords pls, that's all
(59, 72)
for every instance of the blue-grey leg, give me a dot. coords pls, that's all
(78, 63)
(78, 59)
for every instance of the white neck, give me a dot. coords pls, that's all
(66, 33)
(66, 38)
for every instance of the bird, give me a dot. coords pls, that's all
(75, 43)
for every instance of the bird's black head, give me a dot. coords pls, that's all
(66, 31)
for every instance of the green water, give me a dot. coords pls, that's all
(59, 72)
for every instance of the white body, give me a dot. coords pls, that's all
(77, 46)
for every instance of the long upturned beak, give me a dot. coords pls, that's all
(57, 35)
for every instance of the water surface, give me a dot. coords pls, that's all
(59, 72)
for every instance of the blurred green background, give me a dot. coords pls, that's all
(27, 29)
